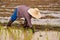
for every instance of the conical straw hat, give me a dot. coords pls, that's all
(34, 12)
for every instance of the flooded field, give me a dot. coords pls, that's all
(35, 21)
(44, 31)
(26, 34)
(46, 28)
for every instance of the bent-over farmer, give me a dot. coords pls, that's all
(26, 12)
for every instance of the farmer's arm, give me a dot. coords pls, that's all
(28, 22)
(28, 19)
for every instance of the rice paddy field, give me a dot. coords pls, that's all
(15, 33)
(46, 28)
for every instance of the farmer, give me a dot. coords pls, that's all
(26, 12)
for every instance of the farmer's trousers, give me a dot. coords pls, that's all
(14, 15)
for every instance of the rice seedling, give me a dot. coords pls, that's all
(15, 33)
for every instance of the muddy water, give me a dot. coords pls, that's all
(44, 21)
(35, 21)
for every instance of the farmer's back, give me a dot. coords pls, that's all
(22, 10)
